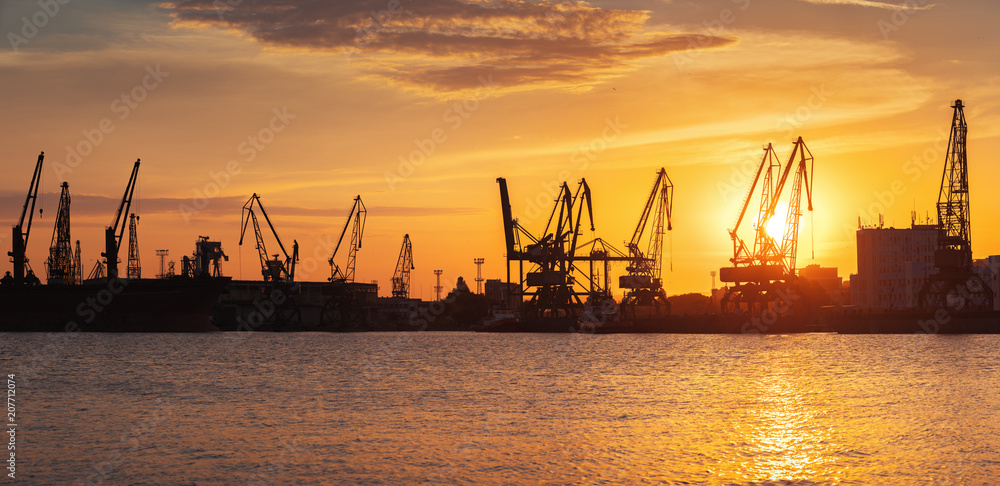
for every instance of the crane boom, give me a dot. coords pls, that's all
(401, 277)
(645, 265)
(273, 270)
(113, 234)
(358, 215)
(790, 237)
(21, 231)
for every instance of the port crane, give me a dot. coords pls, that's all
(357, 216)
(401, 277)
(955, 285)
(77, 265)
(113, 234)
(272, 269)
(133, 269)
(60, 261)
(763, 274)
(22, 229)
(645, 296)
(555, 277)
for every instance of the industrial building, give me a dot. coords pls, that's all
(828, 279)
(893, 265)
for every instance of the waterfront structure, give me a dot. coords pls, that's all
(893, 265)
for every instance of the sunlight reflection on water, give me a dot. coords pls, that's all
(463, 408)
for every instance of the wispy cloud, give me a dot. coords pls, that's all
(909, 5)
(451, 45)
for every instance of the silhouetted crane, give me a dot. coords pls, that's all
(60, 262)
(134, 268)
(22, 229)
(273, 269)
(955, 285)
(644, 282)
(767, 271)
(113, 234)
(357, 216)
(401, 277)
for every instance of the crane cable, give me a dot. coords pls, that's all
(812, 233)
(671, 251)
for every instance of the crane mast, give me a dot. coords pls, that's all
(357, 216)
(790, 237)
(645, 268)
(401, 277)
(742, 254)
(22, 229)
(955, 285)
(60, 262)
(134, 269)
(272, 269)
(77, 265)
(645, 296)
(769, 269)
(954, 216)
(113, 234)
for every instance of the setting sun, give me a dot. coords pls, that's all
(775, 227)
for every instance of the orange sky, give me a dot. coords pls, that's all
(311, 103)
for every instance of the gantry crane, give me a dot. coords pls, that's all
(272, 269)
(401, 277)
(22, 229)
(761, 275)
(357, 216)
(113, 234)
(645, 296)
(60, 262)
(955, 285)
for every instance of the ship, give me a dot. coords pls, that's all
(105, 301)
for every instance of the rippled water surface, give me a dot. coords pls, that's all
(465, 408)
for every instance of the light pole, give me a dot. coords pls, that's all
(711, 296)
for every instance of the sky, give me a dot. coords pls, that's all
(419, 106)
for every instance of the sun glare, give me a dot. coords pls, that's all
(776, 225)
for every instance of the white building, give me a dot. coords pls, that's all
(893, 264)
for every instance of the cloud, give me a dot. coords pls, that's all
(908, 5)
(101, 209)
(455, 45)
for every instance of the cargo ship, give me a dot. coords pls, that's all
(105, 301)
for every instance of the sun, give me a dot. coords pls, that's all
(776, 225)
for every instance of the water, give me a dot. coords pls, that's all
(465, 408)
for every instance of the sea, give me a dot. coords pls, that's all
(492, 409)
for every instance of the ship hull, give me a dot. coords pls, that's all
(102, 305)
